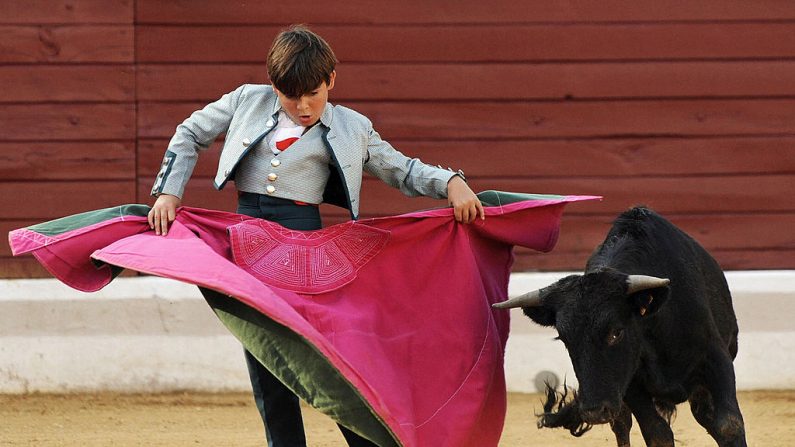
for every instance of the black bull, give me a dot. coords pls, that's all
(649, 325)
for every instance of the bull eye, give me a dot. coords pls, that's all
(614, 336)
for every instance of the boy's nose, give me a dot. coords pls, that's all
(302, 103)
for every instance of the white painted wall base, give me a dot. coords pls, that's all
(122, 363)
(151, 334)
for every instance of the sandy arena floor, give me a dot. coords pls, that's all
(231, 420)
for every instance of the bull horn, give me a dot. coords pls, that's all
(636, 283)
(530, 299)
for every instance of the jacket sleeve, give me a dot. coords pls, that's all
(195, 134)
(410, 175)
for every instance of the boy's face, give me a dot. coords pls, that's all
(307, 109)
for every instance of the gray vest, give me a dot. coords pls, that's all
(300, 172)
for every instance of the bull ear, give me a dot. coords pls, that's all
(541, 305)
(546, 310)
(543, 314)
(647, 294)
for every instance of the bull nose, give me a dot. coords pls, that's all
(597, 414)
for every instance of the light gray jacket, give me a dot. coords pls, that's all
(249, 113)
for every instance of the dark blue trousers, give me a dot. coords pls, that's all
(278, 406)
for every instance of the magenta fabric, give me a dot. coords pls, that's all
(401, 305)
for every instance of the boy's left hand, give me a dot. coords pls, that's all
(466, 205)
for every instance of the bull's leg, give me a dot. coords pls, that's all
(621, 426)
(714, 404)
(654, 428)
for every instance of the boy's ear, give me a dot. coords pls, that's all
(331, 79)
(648, 302)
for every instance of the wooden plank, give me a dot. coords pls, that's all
(526, 261)
(565, 158)
(22, 267)
(67, 161)
(60, 44)
(455, 11)
(396, 81)
(490, 120)
(8, 225)
(53, 199)
(719, 194)
(36, 12)
(725, 231)
(737, 241)
(481, 43)
(755, 259)
(47, 122)
(492, 81)
(195, 82)
(495, 120)
(609, 158)
(67, 83)
(759, 231)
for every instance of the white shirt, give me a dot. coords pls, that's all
(285, 130)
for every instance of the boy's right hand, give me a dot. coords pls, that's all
(163, 212)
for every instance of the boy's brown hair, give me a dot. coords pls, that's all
(299, 61)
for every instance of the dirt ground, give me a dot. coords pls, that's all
(191, 419)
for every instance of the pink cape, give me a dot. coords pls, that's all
(385, 324)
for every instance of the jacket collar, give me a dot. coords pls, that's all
(276, 106)
(328, 114)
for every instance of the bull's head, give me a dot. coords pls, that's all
(600, 318)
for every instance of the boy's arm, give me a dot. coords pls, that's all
(193, 135)
(414, 178)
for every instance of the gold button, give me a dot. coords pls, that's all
(275, 162)
(272, 176)
(246, 142)
(270, 189)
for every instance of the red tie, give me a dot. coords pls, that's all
(285, 143)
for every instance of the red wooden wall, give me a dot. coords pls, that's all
(688, 107)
